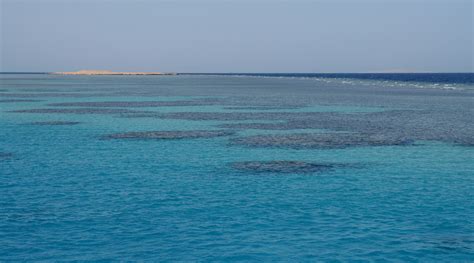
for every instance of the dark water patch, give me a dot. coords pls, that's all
(125, 104)
(320, 141)
(451, 126)
(262, 108)
(47, 123)
(463, 142)
(6, 155)
(59, 90)
(229, 116)
(259, 126)
(229, 103)
(53, 95)
(406, 125)
(41, 90)
(132, 115)
(281, 166)
(77, 111)
(17, 100)
(169, 135)
(453, 243)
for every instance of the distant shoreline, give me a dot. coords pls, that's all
(260, 73)
(466, 78)
(107, 72)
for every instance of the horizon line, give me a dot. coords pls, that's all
(368, 72)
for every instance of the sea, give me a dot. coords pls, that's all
(237, 167)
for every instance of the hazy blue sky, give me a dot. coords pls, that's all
(238, 36)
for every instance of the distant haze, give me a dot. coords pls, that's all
(238, 36)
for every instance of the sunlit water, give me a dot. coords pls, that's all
(244, 168)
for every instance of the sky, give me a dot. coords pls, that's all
(237, 36)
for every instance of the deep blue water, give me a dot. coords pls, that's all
(236, 168)
(449, 78)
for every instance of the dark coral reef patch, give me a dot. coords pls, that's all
(226, 116)
(169, 135)
(320, 140)
(53, 95)
(17, 100)
(77, 111)
(46, 123)
(262, 107)
(136, 104)
(281, 166)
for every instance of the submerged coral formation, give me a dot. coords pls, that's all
(46, 123)
(319, 140)
(168, 135)
(281, 166)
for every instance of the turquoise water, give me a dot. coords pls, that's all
(378, 172)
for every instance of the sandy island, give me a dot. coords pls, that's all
(108, 72)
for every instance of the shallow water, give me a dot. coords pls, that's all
(221, 171)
